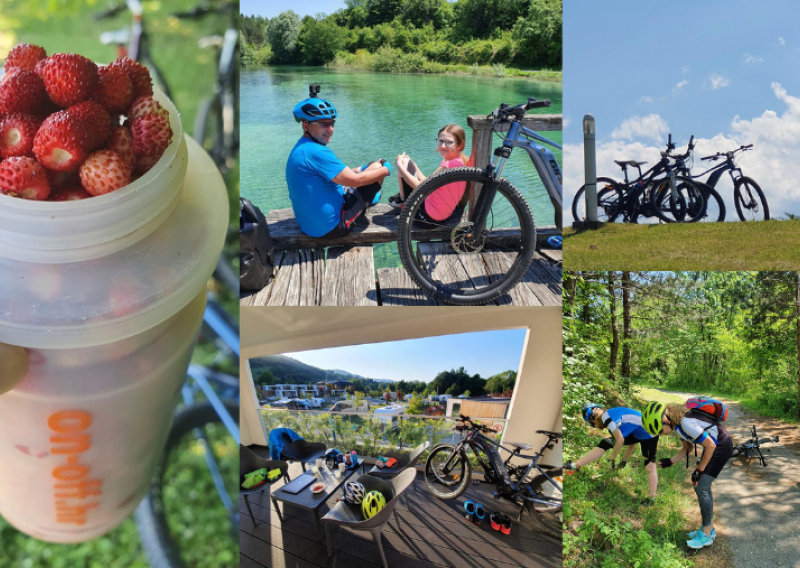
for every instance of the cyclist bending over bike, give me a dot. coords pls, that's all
(327, 196)
(441, 204)
(625, 426)
(693, 428)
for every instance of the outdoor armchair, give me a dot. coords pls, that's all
(250, 461)
(303, 451)
(345, 514)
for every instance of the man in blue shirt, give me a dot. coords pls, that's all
(327, 196)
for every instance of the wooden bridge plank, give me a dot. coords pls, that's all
(349, 277)
(398, 289)
(500, 262)
(556, 255)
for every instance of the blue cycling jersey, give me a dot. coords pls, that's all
(316, 200)
(627, 420)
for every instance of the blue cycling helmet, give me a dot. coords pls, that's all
(587, 411)
(313, 109)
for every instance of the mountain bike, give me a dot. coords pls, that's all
(659, 192)
(491, 217)
(752, 447)
(204, 436)
(750, 202)
(133, 42)
(448, 472)
(216, 126)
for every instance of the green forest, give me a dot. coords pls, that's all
(429, 36)
(628, 336)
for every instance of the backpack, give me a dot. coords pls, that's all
(708, 407)
(256, 264)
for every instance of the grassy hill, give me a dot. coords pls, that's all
(288, 370)
(766, 245)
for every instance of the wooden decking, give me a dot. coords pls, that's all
(433, 534)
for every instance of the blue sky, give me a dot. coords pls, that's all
(485, 353)
(727, 72)
(271, 8)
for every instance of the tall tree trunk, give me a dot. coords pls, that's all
(797, 331)
(612, 372)
(570, 289)
(627, 332)
(587, 314)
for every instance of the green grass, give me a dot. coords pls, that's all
(766, 245)
(67, 26)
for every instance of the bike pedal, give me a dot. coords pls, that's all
(496, 495)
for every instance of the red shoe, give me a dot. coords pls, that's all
(496, 520)
(505, 528)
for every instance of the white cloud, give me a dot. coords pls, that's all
(718, 81)
(677, 88)
(650, 127)
(566, 121)
(781, 41)
(646, 99)
(752, 58)
(773, 163)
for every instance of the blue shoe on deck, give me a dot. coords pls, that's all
(700, 541)
(698, 532)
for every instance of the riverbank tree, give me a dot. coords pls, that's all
(412, 35)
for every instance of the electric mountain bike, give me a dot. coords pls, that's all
(448, 472)
(750, 202)
(491, 217)
(752, 447)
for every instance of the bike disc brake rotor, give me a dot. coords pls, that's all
(464, 241)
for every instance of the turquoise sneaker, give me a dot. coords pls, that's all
(701, 540)
(698, 532)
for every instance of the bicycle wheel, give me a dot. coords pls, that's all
(552, 489)
(451, 264)
(183, 507)
(737, 451)
(689, 205)
(751, 205)
(208, 128)
(715, 205)
(607, 201)
(453, 484)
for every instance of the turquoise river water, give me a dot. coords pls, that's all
(380, 116)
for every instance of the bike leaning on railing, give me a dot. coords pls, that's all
(448, 472)
(493, 216)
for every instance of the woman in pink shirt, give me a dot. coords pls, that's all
(443, 202)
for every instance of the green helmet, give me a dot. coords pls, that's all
(372, 504)
(651, 417)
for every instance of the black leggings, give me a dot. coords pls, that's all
(356, 200)
(648, 447)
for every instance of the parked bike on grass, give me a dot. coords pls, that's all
(494, 216)
(448, 472)
(750, 202)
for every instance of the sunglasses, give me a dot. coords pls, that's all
(445, 143)
(326, 123)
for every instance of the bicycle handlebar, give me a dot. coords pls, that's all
(719, 155)
(472, 426)
(508, 112)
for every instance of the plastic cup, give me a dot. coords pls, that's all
(319, 463)
(342, 467)
(106, 295)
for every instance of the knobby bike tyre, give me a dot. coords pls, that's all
(452, 485)
(689, 205)
(446, 266)
(606, 208)
(208, 128)
(160, 546)
(715, 206)
(751, 204)
(550, 516)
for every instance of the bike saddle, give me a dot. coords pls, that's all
(551, 434)
(520, 446)
(624, 163)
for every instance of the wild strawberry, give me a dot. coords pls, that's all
(25, 56)
(151, 134)
(62, 142)
(96, 119)
(39, 68)
(103, 172)
(122, 143)
(24, 177)
(17, 132)
(69, 193)
(145, 105)
(139, 75)
(69, 78)
(114, 90)
(145, 163)
(21, 90)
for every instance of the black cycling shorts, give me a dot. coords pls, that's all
(722, 453)
(648, 447)
(355, 203)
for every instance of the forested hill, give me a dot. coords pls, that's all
(288, 370)
(411, 35)
(726, 333)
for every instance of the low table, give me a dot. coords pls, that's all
(305, 499)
